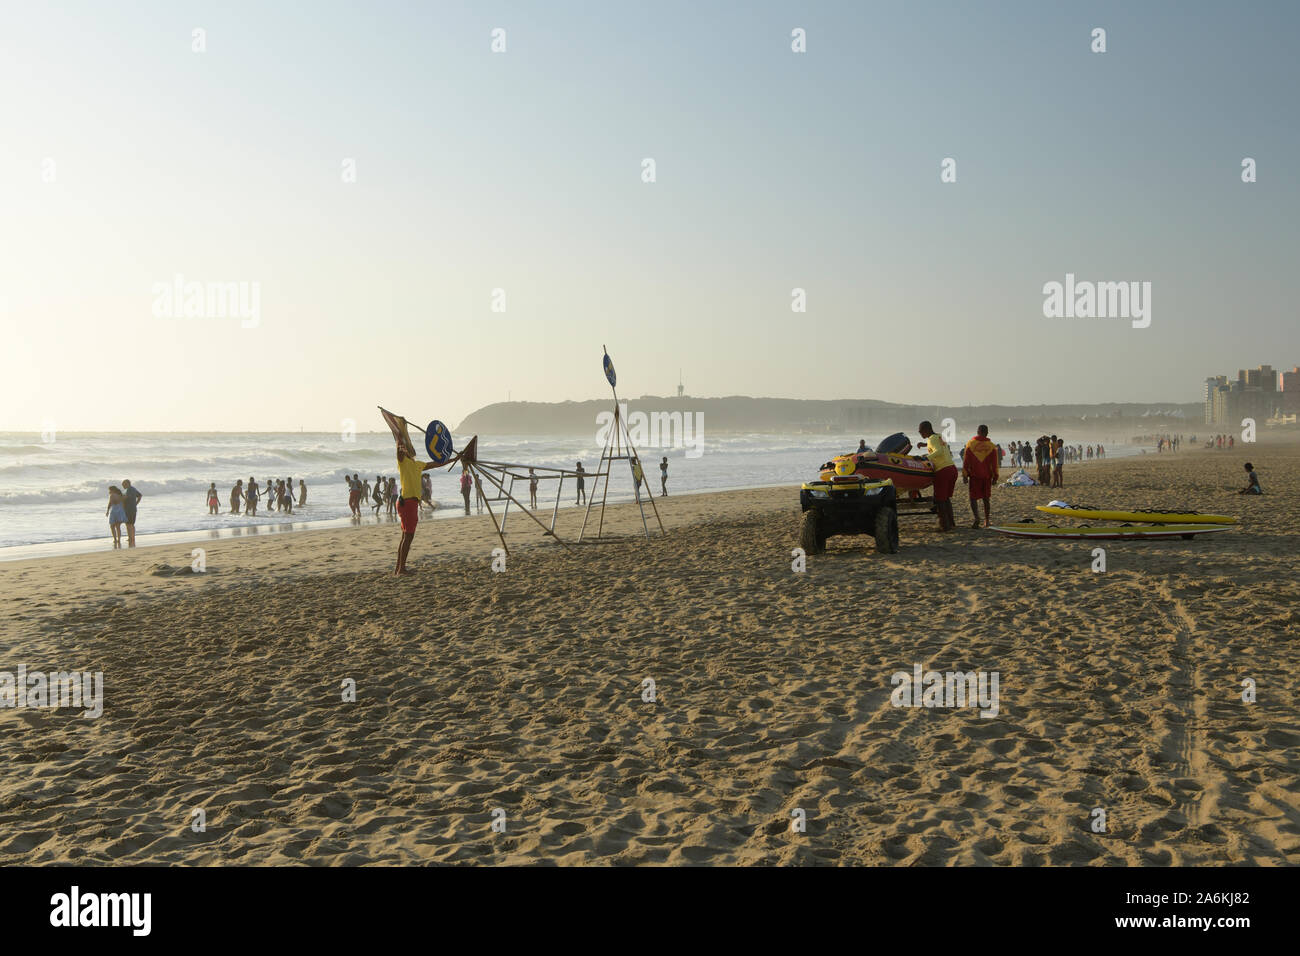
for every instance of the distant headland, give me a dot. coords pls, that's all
(736, 413)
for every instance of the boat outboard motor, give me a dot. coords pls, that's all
(895, 444)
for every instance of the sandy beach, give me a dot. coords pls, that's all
(523, 691)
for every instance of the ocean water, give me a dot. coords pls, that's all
(57, 491)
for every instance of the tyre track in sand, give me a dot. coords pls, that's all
(1183, 746)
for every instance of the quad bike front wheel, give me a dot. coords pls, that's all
(811, 537)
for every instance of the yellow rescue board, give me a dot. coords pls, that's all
(1148, 517)
(1125, 532)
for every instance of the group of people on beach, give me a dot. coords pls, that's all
(278, 494)
(122, 504)
(384, 494)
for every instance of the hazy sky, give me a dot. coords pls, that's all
(522, 171)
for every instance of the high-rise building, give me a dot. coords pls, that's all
(1212, 385)
(1291, 380)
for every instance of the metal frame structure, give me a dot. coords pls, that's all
(614, 451)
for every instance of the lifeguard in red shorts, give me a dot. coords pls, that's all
(410, 470)
(979, 469)
(945, 476)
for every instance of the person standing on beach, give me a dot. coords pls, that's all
(465, 484)
(130, 500)
(979, 469)
(302, 493)
(582, 485)
(236, 493)
(478, 488)
(663, 477)
(214, 500)
(116, 514)
(638, 476)
(378, 496)
(411, 470)
(251, 495)
(532, 489)
(945, 476)
(288, 496)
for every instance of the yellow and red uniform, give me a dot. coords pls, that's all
(979, 463)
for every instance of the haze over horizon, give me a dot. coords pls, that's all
(131, 159)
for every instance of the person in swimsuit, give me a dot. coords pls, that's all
(214, 500)
(302, 493)
(582, 486)
(251, 495)
(532, 489)
(236, 493)
(465, 484)
(663, 476)
(116, 513)
(287, 497)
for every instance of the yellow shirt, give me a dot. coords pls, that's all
(940, 457)
(410, 470)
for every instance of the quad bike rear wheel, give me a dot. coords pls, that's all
(887, 531)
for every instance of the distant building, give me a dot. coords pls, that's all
(1254, 394)
(1212, 386)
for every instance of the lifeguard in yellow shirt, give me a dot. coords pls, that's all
(945, 476)
(411, 470)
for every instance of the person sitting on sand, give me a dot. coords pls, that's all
(411, 471)
(116, 514)
(979, 468)
(945, 476)
(214, 500)
(582, 485)
(1252, 482)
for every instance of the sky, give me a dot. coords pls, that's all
(128, 158)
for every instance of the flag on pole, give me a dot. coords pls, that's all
(397, 424)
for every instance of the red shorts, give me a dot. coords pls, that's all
(980, 488)
(408, 509)
(945, 480)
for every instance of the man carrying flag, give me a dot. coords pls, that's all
(411, 472)
(979, 469)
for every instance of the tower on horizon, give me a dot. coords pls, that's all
(681, 389)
